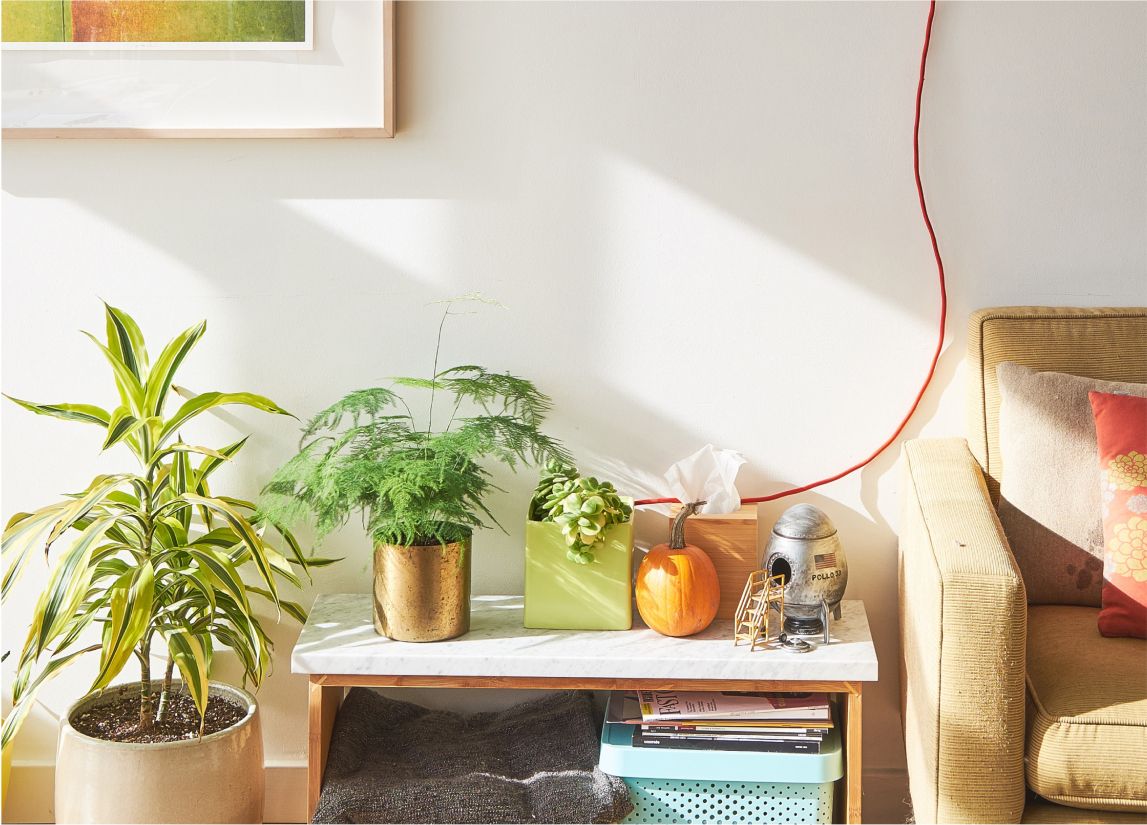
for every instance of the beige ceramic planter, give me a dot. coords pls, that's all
(218, 778)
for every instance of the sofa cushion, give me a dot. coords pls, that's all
(1087, 711)
(1049, 493)
(1109, 343)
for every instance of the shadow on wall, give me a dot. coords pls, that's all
(687, 194)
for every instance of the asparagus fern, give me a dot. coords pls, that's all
(413, 483)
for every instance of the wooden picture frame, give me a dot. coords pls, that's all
(385, 129)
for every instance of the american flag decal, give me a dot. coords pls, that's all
(824, 561)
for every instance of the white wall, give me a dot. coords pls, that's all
(701, 217)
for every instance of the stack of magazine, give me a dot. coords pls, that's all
(727, 721)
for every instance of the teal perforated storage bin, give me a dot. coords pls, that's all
(708, 787)
(687, 801)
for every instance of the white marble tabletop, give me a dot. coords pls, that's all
(339, 638)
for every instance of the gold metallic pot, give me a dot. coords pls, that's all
(422, 594)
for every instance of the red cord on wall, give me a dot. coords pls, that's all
(943, 303)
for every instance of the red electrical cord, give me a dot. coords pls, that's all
(943, 302)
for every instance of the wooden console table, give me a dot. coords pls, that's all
(339, 648)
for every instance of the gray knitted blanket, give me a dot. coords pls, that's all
(393, 761)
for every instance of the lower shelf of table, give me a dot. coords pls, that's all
(326, 691)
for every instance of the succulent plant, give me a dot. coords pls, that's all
(582, 506)
(556, 474)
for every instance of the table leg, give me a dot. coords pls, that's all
(323, 704)
(852, 748)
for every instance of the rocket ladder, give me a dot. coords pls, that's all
(761, 593)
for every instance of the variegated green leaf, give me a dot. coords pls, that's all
(211, 463)
(219, 537)
(204, 583)
(161, 482)
(178, 530)
(240, 646)
(322, 561)
(206, 401)
(245, 624)
(123, 497)
(67, 585)
(208, 518)
(280, 564)
(125, 340)
(191, 657)
(99, 489)
(246, 532)
(292, 609)
(21, 536)
(130, 388)
(243, 635)
(180, 447)
(180, 480)
(241, 503)
(113, 568)
(146, 436)
(79, 623)
(163, 373)
(16, 519)
(296, 550)
(22, 702)
(137, 567)
(131, 605)
(223, 572)
(86, 413)
(180, 473)
(121, 425)
(164, 535)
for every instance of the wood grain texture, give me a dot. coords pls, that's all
(322, 704)
(852, 755)
(731, 542)
(577, 683)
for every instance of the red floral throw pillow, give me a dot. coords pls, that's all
(1121, 436)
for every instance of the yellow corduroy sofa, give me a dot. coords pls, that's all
(1012, 712)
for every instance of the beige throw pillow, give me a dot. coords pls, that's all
(1050, 494)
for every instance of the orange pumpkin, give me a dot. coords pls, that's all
(677, 587)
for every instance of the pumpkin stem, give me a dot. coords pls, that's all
(677, 537)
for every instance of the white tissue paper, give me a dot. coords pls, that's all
(708, 475)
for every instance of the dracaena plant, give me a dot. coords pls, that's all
(152, 557)
(416, 481)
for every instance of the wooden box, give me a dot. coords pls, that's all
(731, 542)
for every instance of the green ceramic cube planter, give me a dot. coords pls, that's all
(563, 595)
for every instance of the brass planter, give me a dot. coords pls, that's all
(422, 594)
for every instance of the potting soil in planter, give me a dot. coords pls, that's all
(119, 721)
(393, 761)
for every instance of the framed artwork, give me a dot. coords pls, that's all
(197, 68)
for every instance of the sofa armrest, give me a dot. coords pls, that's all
(963, 634)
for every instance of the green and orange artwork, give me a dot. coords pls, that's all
(232, 24)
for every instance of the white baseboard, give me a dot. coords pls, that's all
(31, 788)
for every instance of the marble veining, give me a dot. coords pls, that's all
(339, 637)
